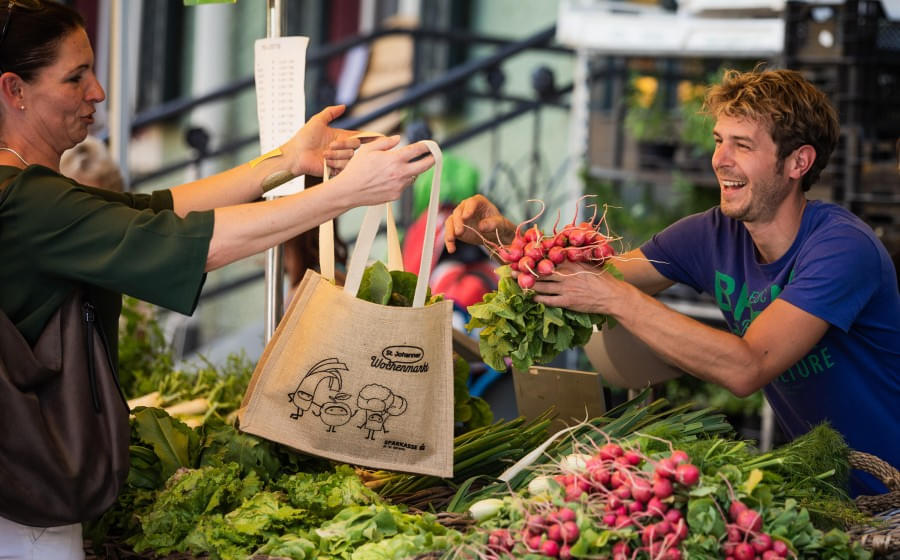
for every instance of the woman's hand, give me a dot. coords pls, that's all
(317, 141)
(379, 174)
(479, 214)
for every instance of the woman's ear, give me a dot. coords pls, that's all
(11, 90)
(800, 161)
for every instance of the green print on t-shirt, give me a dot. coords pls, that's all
(741, 308)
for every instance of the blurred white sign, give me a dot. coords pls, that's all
(280, 70)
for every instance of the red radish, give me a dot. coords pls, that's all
(526, 281)
(533, 234)
(614, 502)
(561, 239)
(633, 458)
(641, 490)
(736, 508)
(749, 520)
(623, 492)
(573, 493)
(574, 254)
(527, 264)
(515, 253)
(735, 534)
(672, 554)
(771, 555)
(673, 516)
(570, 532)
(622, 510)
(535, 524)
(680, 529)
(554, 532)
(534, 250)
(610, 451)
(635, 507)
(761, 543)
(609, 519)
(566, 514)
(656, 506)
(687, 474)
(615, 480)
(599, 475)
(623, 521)
(548, 243)
(556, 254)
(665, 468)
(517, 242)
(679, 457)
(780, 548)
(550, 548)
(576, 237)
(545, 267)
(565, 552)
(621, 547)
(744, 551)
(662, 488)
(534, 542)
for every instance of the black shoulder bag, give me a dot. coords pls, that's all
(64, 430)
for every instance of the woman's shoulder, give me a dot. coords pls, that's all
(42, 185)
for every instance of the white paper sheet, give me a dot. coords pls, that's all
(280, 68)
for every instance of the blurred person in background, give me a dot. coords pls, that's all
(56, 234)
(808, 291)
(90, 163)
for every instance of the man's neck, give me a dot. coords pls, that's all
(774, 237)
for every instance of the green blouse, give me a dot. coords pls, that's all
(56, 233)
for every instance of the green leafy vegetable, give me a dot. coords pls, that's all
(515, 326)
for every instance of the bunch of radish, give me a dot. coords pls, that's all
(552, 533)
(625, 491)
(534, 254)
(746, 541)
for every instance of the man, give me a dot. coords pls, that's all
(807, 290)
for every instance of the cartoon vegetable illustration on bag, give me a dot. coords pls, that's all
(380, 403)
(319, 387)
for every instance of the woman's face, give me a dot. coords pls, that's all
(61, 98)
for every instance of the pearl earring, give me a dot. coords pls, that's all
(21, 107)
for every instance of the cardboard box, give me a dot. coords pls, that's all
(624, 361)
(575, 395)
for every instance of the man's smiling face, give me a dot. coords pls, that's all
(752, 181)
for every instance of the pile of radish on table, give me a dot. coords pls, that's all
(626, 500)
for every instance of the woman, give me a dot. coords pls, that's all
(56, 234)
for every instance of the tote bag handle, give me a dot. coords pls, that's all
(369, 229)
(326, 232)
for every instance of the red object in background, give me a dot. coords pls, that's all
(343, 22)
(415, 234)
(463, 281)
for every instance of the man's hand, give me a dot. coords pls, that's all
(474, 220)
(580, 287)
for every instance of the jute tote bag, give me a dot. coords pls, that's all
(355, 381)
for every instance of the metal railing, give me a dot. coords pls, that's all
(413, 94)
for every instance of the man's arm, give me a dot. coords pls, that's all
(777, 338)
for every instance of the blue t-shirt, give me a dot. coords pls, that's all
(837, 270)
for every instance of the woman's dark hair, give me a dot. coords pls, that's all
(33, 34)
